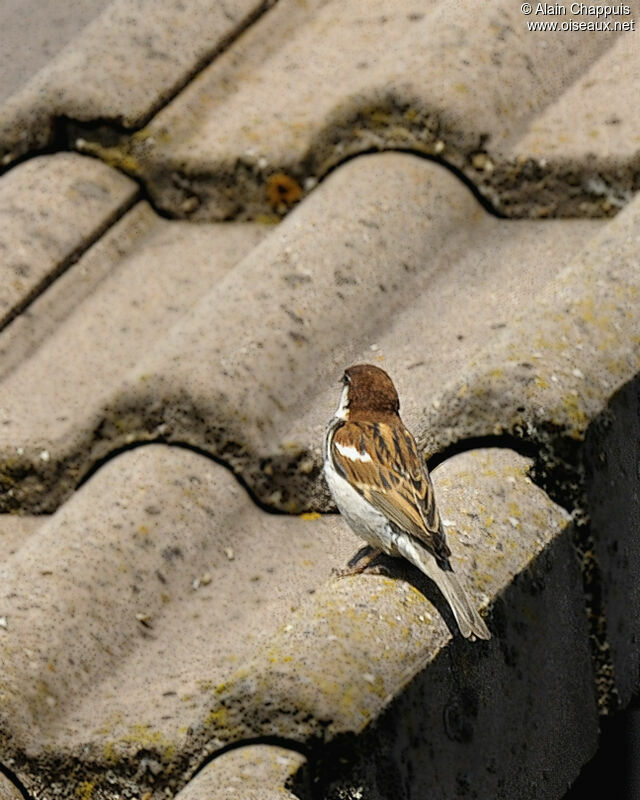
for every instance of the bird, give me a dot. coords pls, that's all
(383, 490)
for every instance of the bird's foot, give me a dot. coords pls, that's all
(361, 562)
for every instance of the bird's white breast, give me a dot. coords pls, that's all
(363, 518)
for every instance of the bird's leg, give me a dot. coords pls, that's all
(367, 552)
(359, 563)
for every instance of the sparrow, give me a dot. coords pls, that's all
(383, 490)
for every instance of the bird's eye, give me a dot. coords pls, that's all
(345, 378)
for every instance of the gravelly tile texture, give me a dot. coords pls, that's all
(165, 383)
(125, 609)
(587, 153)
(318, 292)
(555, 368)
(15, 530)
(114, 304)
(51, 27)
(200, 598)
(97, 76)
(52, 208)
(8, 791)
(613, 496)
(299, 94)
(254, 772)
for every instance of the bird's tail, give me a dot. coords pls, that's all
(469, 620)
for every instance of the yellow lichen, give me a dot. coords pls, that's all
(576, 415)
(379, 117)
(85, 790)
(267, 219)
(110, 754)
(143, 736)
(217, 718)
(113, 156)
(514, 509)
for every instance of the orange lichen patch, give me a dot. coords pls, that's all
(283, 191)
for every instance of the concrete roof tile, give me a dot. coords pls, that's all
(298, 94)
(612, 467)
(127, 607)
(600, 107)
(52, 208)
(8, 791)
(370, 246)
(122, 296)
(586, 141)
(257, 772)
(159, 632)
(316, 676)
(97, 76)
(116, 619)
(15, 530)
(556, 366)
(50, 28)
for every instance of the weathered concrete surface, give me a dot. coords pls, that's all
(519, 722)
(380, 256)
(97, 77)
(158, 616)
(555, 369)
(8, 791)
(126, 607)
(52, 208)
(612, 465)
(14, 532)
(570, 159)
(369, 656)
(546, 379)
(50, 27)
(298, 94)
(254, 772)
(154, 583)
(94, 323)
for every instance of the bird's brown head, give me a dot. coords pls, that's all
(368, 389)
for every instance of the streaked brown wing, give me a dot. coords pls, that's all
(394, 480)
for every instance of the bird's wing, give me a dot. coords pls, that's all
(381, 461)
